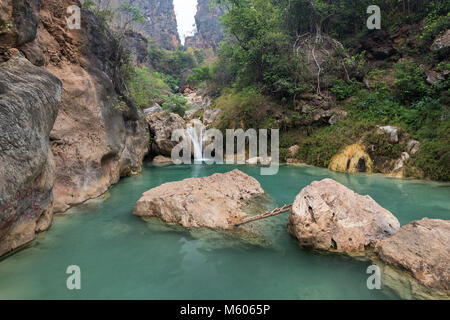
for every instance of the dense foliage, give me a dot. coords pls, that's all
(259, 61)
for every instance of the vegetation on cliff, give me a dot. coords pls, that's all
(265, 76)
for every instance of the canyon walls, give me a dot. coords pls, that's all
(68, 128)
(209, 31)
(29, 101)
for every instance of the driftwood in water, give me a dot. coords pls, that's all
(272, 213)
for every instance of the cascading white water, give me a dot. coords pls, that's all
(196, 134)
(197, 144)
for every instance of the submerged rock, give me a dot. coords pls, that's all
(216, 201)
(29, 101)
(327, 215)
(351, 159)
(161, 160)
(422, 249)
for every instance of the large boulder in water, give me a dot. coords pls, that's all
(422, 249)
(29, 101)
(214, 202)
(327, 215)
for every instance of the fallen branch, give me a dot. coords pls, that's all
(272, 213)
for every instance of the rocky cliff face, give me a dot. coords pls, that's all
(52, 160)
(209, 32)
(29, 101)
(160, 25)
(94, 144)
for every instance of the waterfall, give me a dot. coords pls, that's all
(196, 134)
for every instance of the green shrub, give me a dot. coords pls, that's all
(382, 146)
(343, 90)
(435, 25)
(145, 86)
(434, 158)
(199, 75)
(246, 109)
(172, 63)
(410, 85)
(175, 104)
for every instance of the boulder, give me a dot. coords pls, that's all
(351, 159)
(213, 202)
(400, 163)
(328, 216)
(161, 125)
(30, 98)
(441, 42)
(293, 151)
(337, 116)
(422, 249)
(413, 146)
(155, 108)
(391, 131)
(159, 160)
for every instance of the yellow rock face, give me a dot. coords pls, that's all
(351, 159)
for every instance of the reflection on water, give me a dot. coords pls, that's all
(124, 257)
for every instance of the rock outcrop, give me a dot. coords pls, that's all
(93, 142)
(161, 125)
(441, 42)
(422, 249)
(327, 215)
(161, 160)
(351, 159)
(160, 24)
(18, 24)
(29, 101)
(213, 202)
(209, 32)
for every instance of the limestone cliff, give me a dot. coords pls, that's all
(51, 160)
(160, 24)
(93, 142)
(209, 31)
(29, 101)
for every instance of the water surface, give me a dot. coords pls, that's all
(123, 257)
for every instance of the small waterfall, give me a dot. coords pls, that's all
(196, 135)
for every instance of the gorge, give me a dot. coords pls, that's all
(85, 112)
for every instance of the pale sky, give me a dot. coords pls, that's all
(185, 11)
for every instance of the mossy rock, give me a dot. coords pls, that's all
(352, 159)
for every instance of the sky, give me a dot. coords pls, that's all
(185, 11)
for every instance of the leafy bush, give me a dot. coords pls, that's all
(145, 86)
(172, 63)
(343, 90)
(175, 104)
(434, 155)
(435, 25)
(199, 75)
(246, 109)
(410, 84)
